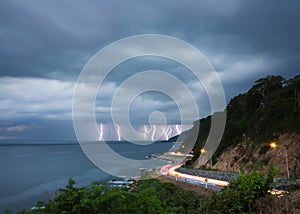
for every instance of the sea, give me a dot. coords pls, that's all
(34, 171)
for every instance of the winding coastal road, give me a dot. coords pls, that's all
(170, 171)
(209, 183)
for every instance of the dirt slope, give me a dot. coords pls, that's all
(247, 156)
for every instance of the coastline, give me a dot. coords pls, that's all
(170, 157)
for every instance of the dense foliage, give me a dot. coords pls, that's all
(242, 194)
(152, 196)
(149, 196)
(270, 107)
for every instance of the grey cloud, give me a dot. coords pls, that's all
(17, 128)
(40, 38)
(35, 97)
(244, 40)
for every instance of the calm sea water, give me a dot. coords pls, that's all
(31, 172)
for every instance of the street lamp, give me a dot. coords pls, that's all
(274, 145)
(202, 151)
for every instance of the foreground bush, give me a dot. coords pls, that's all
(151, 196)
(241, 195)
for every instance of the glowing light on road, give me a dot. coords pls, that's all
(170, 170)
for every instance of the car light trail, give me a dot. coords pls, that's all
(170, 170)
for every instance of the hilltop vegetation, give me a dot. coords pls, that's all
(270, 108)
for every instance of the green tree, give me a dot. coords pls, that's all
(241, 195)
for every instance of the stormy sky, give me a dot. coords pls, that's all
(44, 46)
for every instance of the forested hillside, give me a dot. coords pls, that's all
(270, 108)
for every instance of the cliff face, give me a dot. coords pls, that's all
(247, 156)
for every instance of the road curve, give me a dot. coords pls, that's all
(170, 171)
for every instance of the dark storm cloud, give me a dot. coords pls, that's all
(57, 37)
(48, 38)
(242, 30)
(244, 40)
(41, 38)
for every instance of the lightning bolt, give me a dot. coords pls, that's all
(178, 128)
(165, 131)
(101, 132)
(145, 132)
(153, 133)
(118, 132)
(168, 132)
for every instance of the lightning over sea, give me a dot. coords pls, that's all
(60, 160)
(146, 132)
